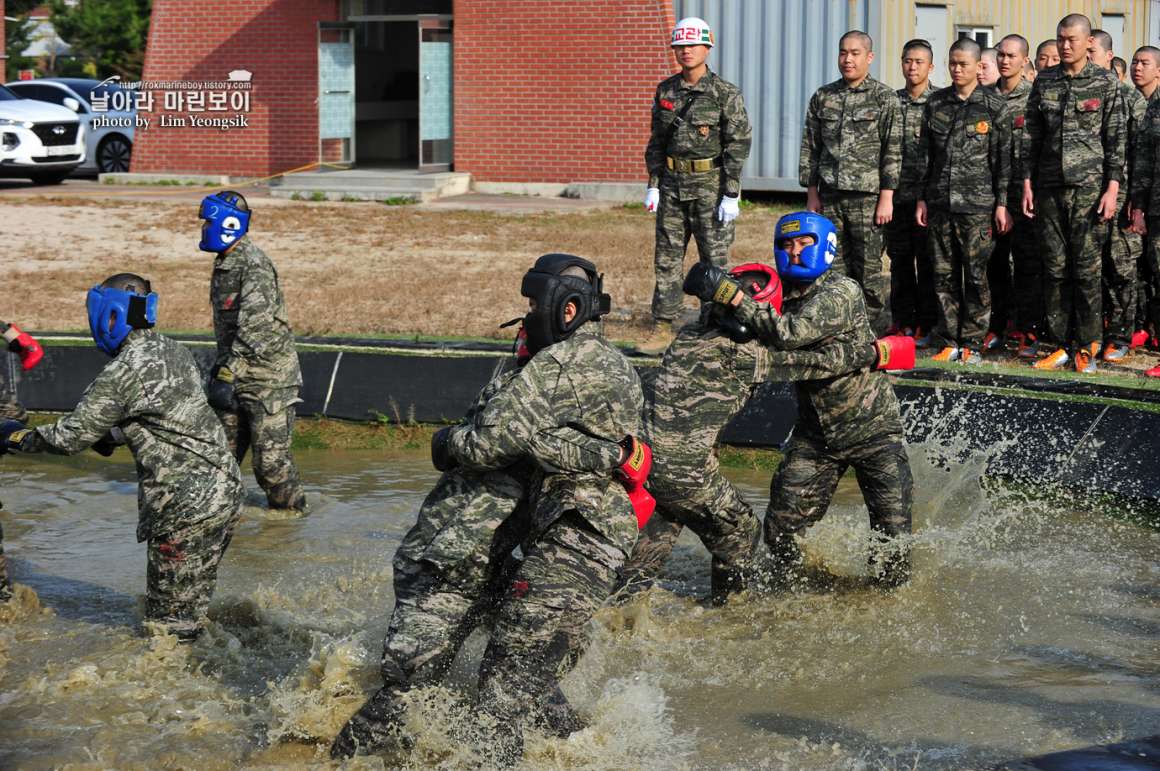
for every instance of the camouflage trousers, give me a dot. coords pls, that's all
(719, 516)
(268, 435)
(960, 246)
(182, 572)
(449, 572)
(808, 476)
(540, 629)
(1120, 260)
(686, 210)
(5, 581)
(1015, 276)
(1072, 237)
(913, 302)
(1144, 287)
(860, 250)
(10, 409)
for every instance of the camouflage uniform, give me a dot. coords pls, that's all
(1145, 169)
(581, 525)
(449, 568)
(851, 150)
(968, 147)
(715, 127)
(1015, 273)
(705, 379)
(10, 409)
(1076, 137)
(189, 486)
(255, 342)
(1123, 249)
(913, 302)
(850, 420)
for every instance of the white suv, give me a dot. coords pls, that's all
(38, 141)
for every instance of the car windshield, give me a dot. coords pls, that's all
(6, 95)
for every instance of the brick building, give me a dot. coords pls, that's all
(536, 91)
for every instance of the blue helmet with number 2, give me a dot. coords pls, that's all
(117, 306)
(815, 259)
(227, 218)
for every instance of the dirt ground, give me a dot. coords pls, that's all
(345, 268)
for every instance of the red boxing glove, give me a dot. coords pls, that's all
(894, 352)
(633, 473)
(24, 345)
(523, 355)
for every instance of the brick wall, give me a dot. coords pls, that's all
(277, 40)
(557, 91)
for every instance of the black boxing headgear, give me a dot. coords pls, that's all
(553, 282)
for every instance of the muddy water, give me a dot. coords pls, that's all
(1027, 629)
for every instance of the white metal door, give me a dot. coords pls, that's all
(931, 24)
(336, 93)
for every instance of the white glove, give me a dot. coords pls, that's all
(728, 209)
(652, 199)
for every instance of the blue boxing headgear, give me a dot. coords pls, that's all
(116, 307)
(227, 218)
(815, 259)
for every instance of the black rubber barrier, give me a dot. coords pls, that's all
(1124, 756)
(1064, 432)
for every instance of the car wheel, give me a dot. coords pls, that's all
(113, 154)
(54, 178)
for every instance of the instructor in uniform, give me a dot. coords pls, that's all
(700, 141)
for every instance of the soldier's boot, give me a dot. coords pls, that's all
(724, 581)
(287, 495)
(378, 727)
(889, 564)
(660, 338)
(559, 717)
(785, 561)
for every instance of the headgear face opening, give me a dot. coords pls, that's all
(116, 307)
(552, 289)
(816, 258)
(227, 219)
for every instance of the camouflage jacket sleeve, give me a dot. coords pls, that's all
(566, 449)
(736, 138)
(924, 150)
(654, 152)
(811, 147)
(100, 409)
(890, 134)
(1115, 137)
(832, 358)
(1000, 152)
(504, 430)
(1033, 128)
(825, 316)
(258, 334)
(1134, 108)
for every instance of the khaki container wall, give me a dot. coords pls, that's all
(1128, 21)
(777, 52)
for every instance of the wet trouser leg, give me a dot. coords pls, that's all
(271, 434)
(652, 549)
(540, 628)
(883, 471)
(5, 581)
(182, 572)
(444, 575)
(799, 496)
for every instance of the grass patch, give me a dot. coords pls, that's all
(399, 200)
(318, 196)
(752, 458)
